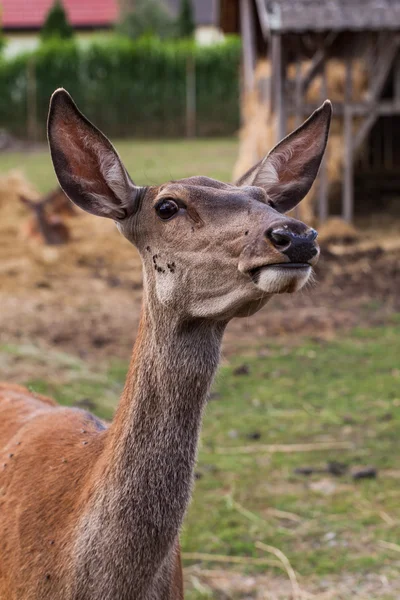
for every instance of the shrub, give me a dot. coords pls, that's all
(185, 22)
(56, 24)
(127, 88)
(149, 18)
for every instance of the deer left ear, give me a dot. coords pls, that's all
(87, 165)
(289, 170)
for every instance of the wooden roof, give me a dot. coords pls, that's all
(329, 15)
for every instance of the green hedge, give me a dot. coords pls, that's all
(127, 88)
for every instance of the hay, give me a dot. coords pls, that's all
(337, 230)
(257, 136)
(14, 184)
(335, 80)
(258, 133)
(31, 262)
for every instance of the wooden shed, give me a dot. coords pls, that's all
(300, 39)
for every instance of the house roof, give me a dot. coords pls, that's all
(204, 11)
(31, 14)
(329, 15)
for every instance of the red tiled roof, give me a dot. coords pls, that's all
(31, 14)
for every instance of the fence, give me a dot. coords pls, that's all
(142, 88)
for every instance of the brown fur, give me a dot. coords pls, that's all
(90, 512)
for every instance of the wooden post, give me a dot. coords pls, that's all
(298, 99)
(384, 63)
(387, 143)
(348, 184)
(323, 175)
(397, 79)
(298, 93)
(190, 97)
(248, 49)
(278, 64)
(31, 100)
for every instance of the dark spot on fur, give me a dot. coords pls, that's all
(64, 460)
(160, 270)
(192, 229)
(148, 248)
(10, 455)
(246, 233)
(171, 267)
(51, 542)
(83, 431)
(4, 465)
(18, 444)
(47, 577)
(84, 443)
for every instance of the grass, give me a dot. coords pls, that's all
(149, 162)
(347, 390)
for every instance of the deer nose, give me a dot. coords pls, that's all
(280, 238)
(298, 246)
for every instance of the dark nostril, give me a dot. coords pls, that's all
(280, 238)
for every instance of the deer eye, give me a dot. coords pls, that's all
(167, 208)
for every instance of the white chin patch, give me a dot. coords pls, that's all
(278, 280)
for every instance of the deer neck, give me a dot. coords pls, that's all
(150, 451)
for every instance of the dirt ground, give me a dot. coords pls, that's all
(228, 585)
(84, 297)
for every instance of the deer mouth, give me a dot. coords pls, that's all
(281, 278)
(254, 273)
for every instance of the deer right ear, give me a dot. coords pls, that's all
(87, 165)
(289, 170)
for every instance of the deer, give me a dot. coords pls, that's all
(91, 510)
(46, 224)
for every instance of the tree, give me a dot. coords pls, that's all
(56, 24)
(2, 38)
(185, 22)
(149, 18)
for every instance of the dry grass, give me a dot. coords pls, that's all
(258, 134)
(336, 229)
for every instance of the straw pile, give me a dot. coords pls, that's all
(258, 134)
(12, 185)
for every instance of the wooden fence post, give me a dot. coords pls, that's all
(348, 184)
(31, 100)
(323, 174)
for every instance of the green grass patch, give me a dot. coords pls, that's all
(149, 162)
(346, 390)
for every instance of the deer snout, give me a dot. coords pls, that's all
(296, 241)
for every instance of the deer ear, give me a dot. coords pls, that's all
(289, 170)
(87, 165)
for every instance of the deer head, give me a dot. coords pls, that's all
(209, 249)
